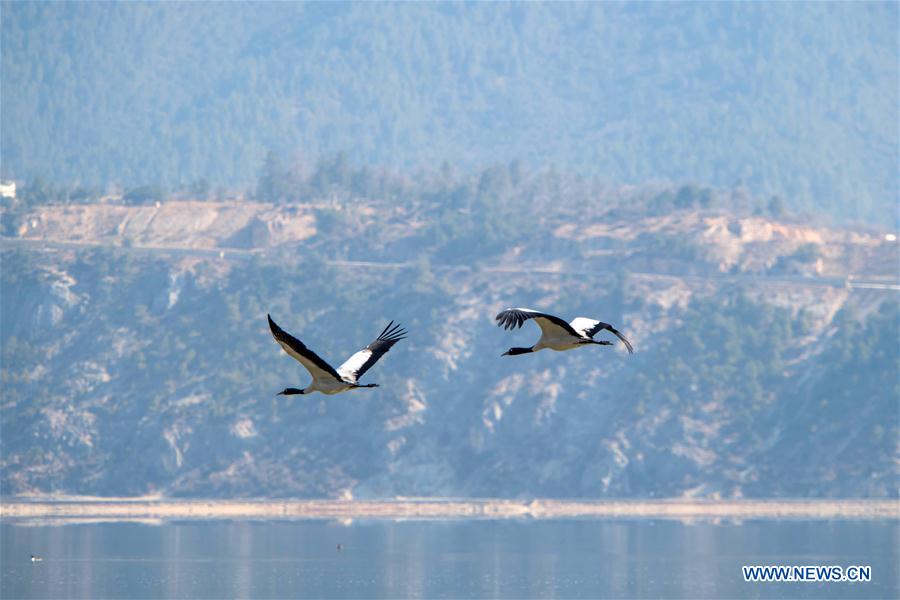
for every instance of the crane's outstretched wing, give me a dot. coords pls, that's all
(318, 368)
(552, 326)
(589, 327)
(363, 360)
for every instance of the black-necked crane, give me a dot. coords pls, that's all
(556, 334)
(325, 378)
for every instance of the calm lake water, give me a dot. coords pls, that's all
(381, 559)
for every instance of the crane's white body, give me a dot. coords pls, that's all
(322, 380)
(554, 337)
(329, 386)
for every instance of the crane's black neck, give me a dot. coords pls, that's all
(290, 392)
(514, 351)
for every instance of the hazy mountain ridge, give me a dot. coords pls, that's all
(794, 100)
(129, 368)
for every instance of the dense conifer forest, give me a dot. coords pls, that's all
(796, 101)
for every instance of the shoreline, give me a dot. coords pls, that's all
(28, 510)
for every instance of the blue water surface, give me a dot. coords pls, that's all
(440, 559)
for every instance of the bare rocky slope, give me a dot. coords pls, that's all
(136, 357)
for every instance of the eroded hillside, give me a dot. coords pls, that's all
(136, 356)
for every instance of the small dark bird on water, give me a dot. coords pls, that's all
(325, 378)
(556, 334)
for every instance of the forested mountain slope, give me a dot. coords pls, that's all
(796, 100)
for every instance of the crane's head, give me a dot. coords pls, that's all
(289, 392)
(514, 351)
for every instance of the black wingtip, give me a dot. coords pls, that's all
(384, 331)
(392, 332)
(619, 335)
(510, 319)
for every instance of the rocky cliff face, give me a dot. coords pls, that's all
(136, 356)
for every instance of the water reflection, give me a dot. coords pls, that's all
(546, 559)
